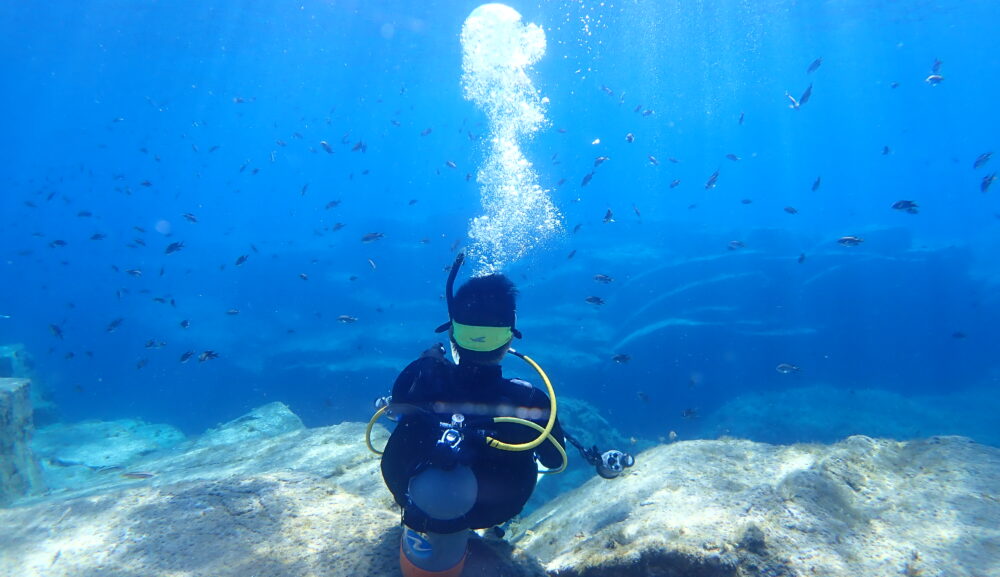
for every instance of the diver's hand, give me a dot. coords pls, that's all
(435, 352)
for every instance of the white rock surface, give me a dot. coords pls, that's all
(285, 501)
(861, 507)
(309, 502)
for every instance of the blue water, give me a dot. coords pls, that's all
(123, 116)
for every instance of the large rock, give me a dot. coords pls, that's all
(19, 473)
(303, 502)
(737, 508)
(74, 455)
(284, 501)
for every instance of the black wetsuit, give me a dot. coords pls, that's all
(426, 394)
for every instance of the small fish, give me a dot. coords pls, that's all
(303, 276)
(154, 344)
(98, 236)
(56, 331)
(710, 184)
(936, 66)
(642, 396)
(981, 160)
(190, 217)
(137, 475)
(360, 146)
(187, 356)
(815, 65)
(850, 240)
(241, 259)
(733, 157)
(174, 247)
(141, 363)
(806, 95)
(113, 325)
(816, 184)
(635, 209)
(886, 151)
(326, 146)
(736, 245)
(958, 335)
(595, 300)
(185, 324)
(648, 112)
(207, 356)
(571, 254)
(84, 213)
(58, 243)
(233, 312)
(802, 258)
(603, 278)
(787, 368)
(601, 160)
(934, 79)
(426, 131)
(794, 103)
(630, 138)
(332, 204)
(746, 201)
(609, 216)
(675, 183)
(347, 319)
(740, 121)
(791, 210)
(450, 164)
(984, 185)
(621, 358)
(372, 237)
(577, 228)
(689, 414)
(304, 189)
(908, 206)
(652, 160)
(371, 263)
(586, 179)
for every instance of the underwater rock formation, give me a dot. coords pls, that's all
(280, 500)
(19, 473)
(308, 502)
(733, 508)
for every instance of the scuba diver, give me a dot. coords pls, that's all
(465, 451)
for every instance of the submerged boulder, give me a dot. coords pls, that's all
(310, 502)
(733, 508)
(19, 472)
(298, 502)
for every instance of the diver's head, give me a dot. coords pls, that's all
(482, 319)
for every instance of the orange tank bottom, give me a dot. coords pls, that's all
(411, 570)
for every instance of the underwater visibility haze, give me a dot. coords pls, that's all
(775, 220)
